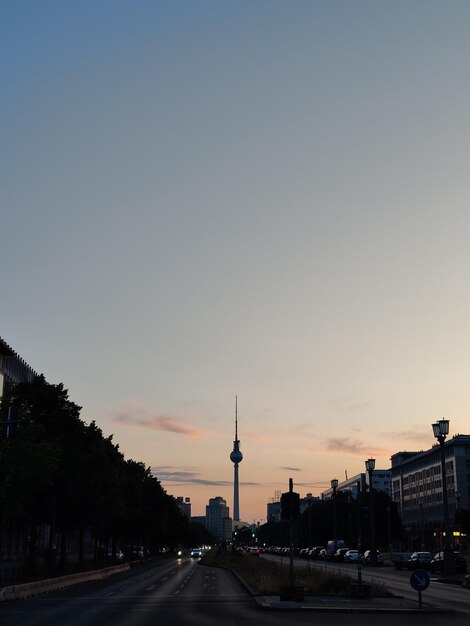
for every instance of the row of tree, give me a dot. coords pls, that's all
(315, 527)
(59, 473)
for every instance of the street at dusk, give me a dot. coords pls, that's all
(235, 336)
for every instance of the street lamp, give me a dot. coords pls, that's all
(334, 485)
(370, 466)
(309, 500)
(440, 430)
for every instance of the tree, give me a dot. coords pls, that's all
(63, 475)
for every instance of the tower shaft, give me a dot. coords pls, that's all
(236, 511)
(236, 457)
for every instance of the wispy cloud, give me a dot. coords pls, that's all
(172, 476)
(291, 469)
(319, 484)
(350, 446)
(417, 432)
(160, 422)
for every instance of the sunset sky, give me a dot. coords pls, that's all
(206, 198)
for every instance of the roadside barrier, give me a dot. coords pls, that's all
(28, 590)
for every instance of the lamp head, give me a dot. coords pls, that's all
(334, 483)
(370, 465)
(440, 428)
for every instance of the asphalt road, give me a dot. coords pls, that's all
(180, 592)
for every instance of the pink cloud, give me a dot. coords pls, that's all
(167, 424)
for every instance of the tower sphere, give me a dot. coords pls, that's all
(236, 456)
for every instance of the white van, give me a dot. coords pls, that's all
(332, 546)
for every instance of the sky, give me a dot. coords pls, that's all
(259, 198)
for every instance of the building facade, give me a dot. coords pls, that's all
(184, 505)
(218, 520)
(274, 512)
(417, 488)
(13, 369)
(381, 481)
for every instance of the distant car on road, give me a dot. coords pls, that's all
(196, 553)
(352, 556)
(419, 560)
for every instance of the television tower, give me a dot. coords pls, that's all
(236, 457)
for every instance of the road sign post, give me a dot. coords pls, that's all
(419, 580)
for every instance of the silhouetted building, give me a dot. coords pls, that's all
(381, 481)
(184, 505)
(13, 369)
(218, 520)
(417, 490)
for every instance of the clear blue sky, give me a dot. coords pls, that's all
(266, 198)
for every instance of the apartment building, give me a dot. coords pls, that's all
(418, 491)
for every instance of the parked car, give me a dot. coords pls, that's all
(118, 555)
(315, 552)
(196, 553)
(253, 551)
(322, 554)
(137, 552)
(339, 554)
(366, 557)
(352, 556)
(437, 562)
(400, 559)
(419, 560)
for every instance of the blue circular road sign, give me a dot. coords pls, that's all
(419, 580)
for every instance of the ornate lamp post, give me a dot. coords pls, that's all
(370, 466)
(309, 499)
(334, 485)
(441, 430)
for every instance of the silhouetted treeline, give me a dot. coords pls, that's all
(315, 526)
(61, 477)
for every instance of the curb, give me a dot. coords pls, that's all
(28, 590)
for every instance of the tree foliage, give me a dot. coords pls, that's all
(58, 471)
(353, 520)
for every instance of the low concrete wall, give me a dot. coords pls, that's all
(28, 590)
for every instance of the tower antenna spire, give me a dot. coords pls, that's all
(236, 418)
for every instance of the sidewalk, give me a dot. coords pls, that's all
(344, 604)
